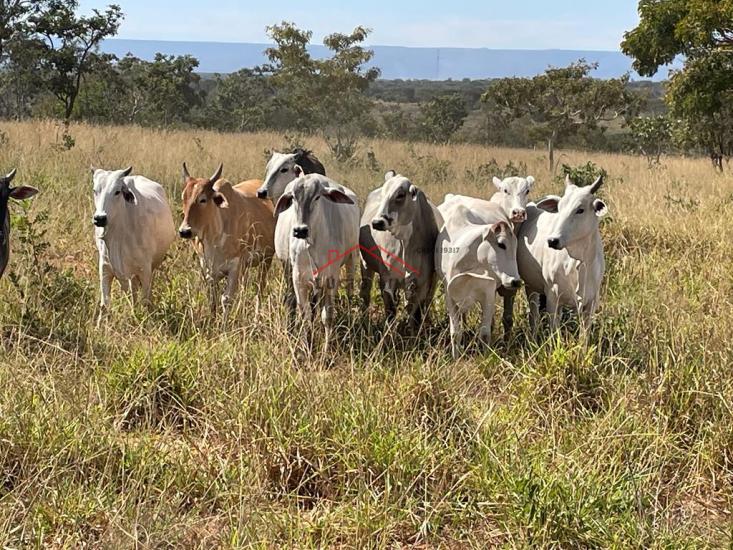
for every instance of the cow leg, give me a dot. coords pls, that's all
(133, 287)
(146, 284)
(351, 263)
(105, 286)
(456, 326)
(389, 298)
(488, 305)
(553, 310)
(328, 298)
(291, 299)
(367, 281)
(230, 291)
(507, 316)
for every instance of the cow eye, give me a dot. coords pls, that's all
(117, 192)
(202, 200)
(506, 191)
(317, 198)
(502, 246)
(283, 170)
(580, 211)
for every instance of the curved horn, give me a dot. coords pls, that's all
(568, 181)
(217, 175)
(127, 172)
(597, 185)
(11, 175)
(186, 175)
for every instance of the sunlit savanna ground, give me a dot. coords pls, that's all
(161, 428)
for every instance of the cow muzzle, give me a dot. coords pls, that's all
(100, 220)
(300, 232)
(381, 223)
(519, 215)
(185, 232)
(554, 243)
(262, 193)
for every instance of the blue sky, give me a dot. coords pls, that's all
(522, 24)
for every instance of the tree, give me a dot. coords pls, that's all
(327, 94)
(652, 136)
(242, 101)
(67, 45)
(442, 117)
(700, 94)
(561, 101)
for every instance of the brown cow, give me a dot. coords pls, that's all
(232, 230)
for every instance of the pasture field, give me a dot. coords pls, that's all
(162, 429)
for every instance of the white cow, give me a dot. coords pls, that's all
(133, 228)
(281, 170)
(318, 224)
(560, 253)
(512, 196)
(474, 261)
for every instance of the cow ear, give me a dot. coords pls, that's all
(127, 172)
(220, 200)
(497, 183)
(600, 208)
(128, 195)
(389, 175)
(499, 228)
(283, 204)
(23, 193)
(548, 204)
(298, 170)
(337, 196)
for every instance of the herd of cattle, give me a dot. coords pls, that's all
(478, 248)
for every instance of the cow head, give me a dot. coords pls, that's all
(513, 194)
(308, 195)
(578, 214)
(6, 193)
(281, 171)
(113, 193)
(399, 204)
(498, 252)
(201, 202)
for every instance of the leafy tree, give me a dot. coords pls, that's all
(652, 136)
(66, 46)
(326, 94)
(669, 28)
(242, 101)
(561, 101)
(700, 95)
(442, 117)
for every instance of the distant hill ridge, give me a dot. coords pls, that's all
(394, 61)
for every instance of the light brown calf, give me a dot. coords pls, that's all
(232, 230)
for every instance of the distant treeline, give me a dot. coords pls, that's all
(51, 66)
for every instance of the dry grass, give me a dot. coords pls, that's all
(162, 429)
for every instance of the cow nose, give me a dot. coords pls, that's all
(100, 220)
(516, 283)
(519, 215)
(300, 232)
(554, 243)
(380, 224)
(262, 193)
(185, 232)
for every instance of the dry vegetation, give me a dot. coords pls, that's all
(162, 429)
